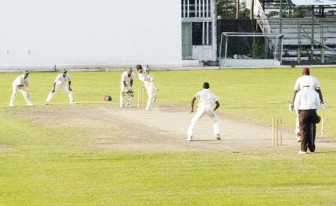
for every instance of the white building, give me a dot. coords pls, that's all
(89, 33)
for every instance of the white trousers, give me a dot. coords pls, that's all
(122, 98)
(24, 92)
(66, 89)
(151, 97)
(201, 111)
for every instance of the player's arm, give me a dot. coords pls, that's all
(294, 95)
(217, 105)
(318, 90)
(192, 104)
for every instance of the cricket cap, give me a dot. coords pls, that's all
(26, 72)
(65, 70)
(129, 69)
(306, 71)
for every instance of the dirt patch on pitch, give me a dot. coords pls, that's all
(163, 129)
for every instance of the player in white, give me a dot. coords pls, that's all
(302, 81)
(150, 85)
(60, 82)
(126, 87)
(21, 83)
(205, 106)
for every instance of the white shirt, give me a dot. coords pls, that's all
(126, 78)
(144, 74)
(20, 80)
(306, 80)
(61, 80)
(307, 99)
(206, 98)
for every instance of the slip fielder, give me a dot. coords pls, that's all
(21, 83)
(60, 82)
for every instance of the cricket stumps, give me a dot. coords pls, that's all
(276, 131)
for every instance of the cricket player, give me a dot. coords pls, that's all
(305, 79)
(126, 87)
(60, 82)
(150, 85)
(306, 103)
(21, 83)
(205, 106)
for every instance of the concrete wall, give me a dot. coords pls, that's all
(44, 33)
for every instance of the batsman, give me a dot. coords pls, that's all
(126, 87)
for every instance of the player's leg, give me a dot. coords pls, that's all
(199, 113)
(122, 98)
(297, 129)
(216, 125)
(130, 99)
(51, 94)
(150, 92)
(15, 88)
(70, 94)
(26, 95)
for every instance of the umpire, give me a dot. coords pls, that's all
(306, 103)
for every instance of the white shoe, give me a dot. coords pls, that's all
(129, 106)
(45, 103)
(302, 152)
(189, 139)
(218, 137)
(74, 102)
(11, 105)
(121, 106)
(30, 104)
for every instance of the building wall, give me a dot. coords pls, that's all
(90, 32)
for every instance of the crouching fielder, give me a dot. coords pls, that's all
(21, 83)
(60, 82)
(205, 106)
(126, 87)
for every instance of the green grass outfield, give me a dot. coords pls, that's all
(40, 166)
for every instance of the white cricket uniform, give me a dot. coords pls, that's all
(125, 90)
(20, 80)
(300, 82)
(60, 82)
(306, 80)
(205, 106)
(149, 87)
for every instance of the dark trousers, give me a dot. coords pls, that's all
(307, 122)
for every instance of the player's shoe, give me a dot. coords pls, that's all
(11, 105)
(30, 104)
(218, 137)
(189, 139)
(302, 152)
